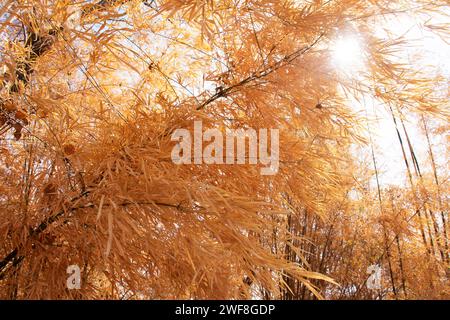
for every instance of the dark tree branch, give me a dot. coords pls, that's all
(223, 92)
(14, 259)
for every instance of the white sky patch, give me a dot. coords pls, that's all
(428, 53)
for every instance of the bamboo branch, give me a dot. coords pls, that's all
(223, 92)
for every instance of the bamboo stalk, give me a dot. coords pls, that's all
(421, 227)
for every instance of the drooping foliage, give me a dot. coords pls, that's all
(92, 91)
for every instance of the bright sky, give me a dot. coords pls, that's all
(430, 52)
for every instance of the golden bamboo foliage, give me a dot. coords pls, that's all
(91, 92)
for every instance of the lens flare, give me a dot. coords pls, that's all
(348, 53)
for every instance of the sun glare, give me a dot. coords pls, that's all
(348, 53)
